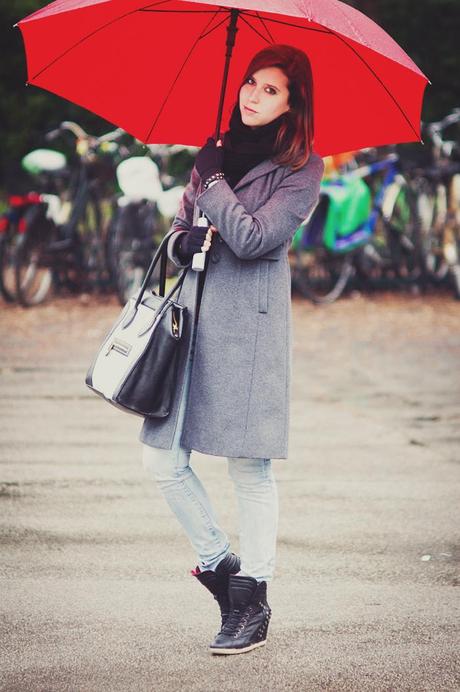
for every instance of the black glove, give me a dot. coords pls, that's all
(190, 242)
(210, 159)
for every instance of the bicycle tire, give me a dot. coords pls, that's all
(33, 272)
(455, 280)
(320, 275)
(131, 248)
(109, 241)
(432, 208)
(90, 246)
(403, 230)
(7, 270)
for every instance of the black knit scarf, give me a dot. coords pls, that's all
(245, 147)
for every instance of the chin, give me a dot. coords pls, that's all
(247, 120)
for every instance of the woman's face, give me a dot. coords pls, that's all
(264, 96)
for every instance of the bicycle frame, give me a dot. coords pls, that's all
(382, 205)
(385, 197)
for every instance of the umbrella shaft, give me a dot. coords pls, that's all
(231, 35)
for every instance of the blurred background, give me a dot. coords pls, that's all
(83, 206)
(96, 586)
(429, 35)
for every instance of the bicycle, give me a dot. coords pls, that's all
(381, 242)
(11, 225)
(141, 215)
(439, 205)
(62, 241)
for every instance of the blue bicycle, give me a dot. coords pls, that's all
(366, 225)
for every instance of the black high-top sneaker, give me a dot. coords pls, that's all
(217, 582)
(247, 624)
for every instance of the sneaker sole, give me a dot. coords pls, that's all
(237, 651)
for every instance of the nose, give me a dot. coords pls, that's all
(254, 95)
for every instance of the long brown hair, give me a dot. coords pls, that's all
(294, 141)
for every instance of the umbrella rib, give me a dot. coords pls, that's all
(89, 36)
(213, 28)
(296, 26)
(104, 26)
(181, 11)
(187, 58)
(336, 35)
(257, 31)
(154, 4)
(265, 27)
(162, 2)
(378, 79)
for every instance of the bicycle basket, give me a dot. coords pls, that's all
(340, 222)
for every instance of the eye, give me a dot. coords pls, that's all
(269, 90)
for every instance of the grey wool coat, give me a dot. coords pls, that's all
(239, 396)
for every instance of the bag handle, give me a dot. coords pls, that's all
(160, 253)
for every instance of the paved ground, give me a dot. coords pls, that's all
(95, 584)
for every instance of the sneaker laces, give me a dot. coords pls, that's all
(236, 621)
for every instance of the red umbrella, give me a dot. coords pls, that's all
(160, 71)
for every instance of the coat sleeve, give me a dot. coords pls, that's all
(183, 221)
(250, 236)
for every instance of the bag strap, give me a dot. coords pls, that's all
(161, 253)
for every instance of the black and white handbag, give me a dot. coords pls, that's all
(135, 369)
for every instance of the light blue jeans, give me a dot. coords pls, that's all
(256, 492)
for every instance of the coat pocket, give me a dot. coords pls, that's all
(263, 285)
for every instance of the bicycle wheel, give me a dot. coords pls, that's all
(432, 211)
(7, 272)
(402, 227)
(452, 235)
(110, 239)
(90, 246)
(131, 247)
(321, 275)
(33, 272)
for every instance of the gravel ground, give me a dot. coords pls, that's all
(95, 583)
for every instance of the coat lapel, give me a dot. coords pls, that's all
(261, 169)
(258, 171)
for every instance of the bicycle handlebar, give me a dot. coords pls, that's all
(435, 129)
(49, 136)
(80, 134)
(450, 119)
(112, 136)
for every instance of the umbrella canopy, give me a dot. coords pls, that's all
(156, 69)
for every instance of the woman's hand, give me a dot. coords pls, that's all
(207, 241)
(198, 239)
(210, 158)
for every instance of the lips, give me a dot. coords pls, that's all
(250, 110)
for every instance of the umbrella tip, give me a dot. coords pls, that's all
(15, 25)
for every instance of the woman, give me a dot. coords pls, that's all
(234, 381)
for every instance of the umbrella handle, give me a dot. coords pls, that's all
(199, 258)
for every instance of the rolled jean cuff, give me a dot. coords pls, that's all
(212, 564)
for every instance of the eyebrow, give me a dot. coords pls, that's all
(270, 85)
